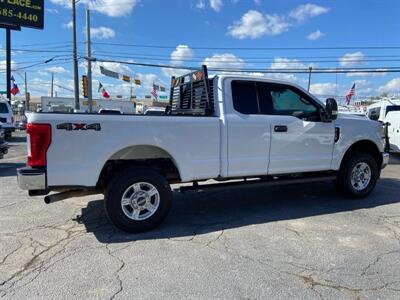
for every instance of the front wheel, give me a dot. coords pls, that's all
(137, 200)
(358, 175)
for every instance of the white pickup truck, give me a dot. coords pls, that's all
(251, 129)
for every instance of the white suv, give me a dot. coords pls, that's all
(6, 118)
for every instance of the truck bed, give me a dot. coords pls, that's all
(82, 144)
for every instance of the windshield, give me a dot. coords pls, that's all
(392, 108)
(3, 108)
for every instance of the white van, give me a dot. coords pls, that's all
(394, 130)
(379, 110)
(6, 118)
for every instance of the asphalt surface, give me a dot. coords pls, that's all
(293, 242)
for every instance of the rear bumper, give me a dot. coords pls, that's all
(31, 179)
(385, 159)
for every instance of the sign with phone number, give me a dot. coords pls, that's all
(25, 13)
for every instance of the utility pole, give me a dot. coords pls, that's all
(89, 63)
(52, 85)
(309, 77)
(26, 94)
(8, 64)
(75, 56)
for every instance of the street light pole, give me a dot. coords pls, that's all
(8, 64)
(75, 56)
(89, 63)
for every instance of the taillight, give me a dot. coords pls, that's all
(39, 140)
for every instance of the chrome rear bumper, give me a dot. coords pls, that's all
(31, 179)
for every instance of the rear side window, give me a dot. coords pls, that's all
(3, 108)
(244, 96)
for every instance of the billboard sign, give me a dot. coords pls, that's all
(24, 13)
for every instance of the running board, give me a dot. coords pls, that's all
(255, 183)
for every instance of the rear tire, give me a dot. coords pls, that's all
(137, 200)
(358, 175)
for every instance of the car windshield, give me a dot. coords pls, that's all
(3, 108)
(392, 108)
(154, 113)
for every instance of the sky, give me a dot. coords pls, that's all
(235, 34)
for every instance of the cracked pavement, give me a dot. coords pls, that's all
(284, 242)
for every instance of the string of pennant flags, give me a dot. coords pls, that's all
(127, 78)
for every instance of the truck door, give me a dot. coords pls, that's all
(301, 141)
(247, 131)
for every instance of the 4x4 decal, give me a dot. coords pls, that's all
(79, 126)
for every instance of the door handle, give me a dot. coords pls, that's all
(280, 128)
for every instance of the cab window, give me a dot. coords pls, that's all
(244, 96)
(287, 101)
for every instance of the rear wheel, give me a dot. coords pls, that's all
(358, 175)
(137, 200)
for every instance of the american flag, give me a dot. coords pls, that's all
(350, 93)
(154, 92)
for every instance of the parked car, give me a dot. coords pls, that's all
(3, 143)
(110, 111)
(393, 118)
(6, 118)
(228, 127)
(154, 111)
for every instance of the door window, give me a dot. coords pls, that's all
(287, 102)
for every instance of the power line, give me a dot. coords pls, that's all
(254, 48)
(243, 57)
(232, 60)
(241, 70)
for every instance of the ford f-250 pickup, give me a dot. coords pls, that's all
(251, 129)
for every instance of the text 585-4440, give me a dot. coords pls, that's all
(20, 15)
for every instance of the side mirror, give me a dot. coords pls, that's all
(332, 108)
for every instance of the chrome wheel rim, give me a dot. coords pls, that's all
(360, 176)
(140, 201)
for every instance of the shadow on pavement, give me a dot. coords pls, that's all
(203, 212)
(9, 169)
(394, 159)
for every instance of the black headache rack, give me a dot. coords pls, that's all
(192, 94)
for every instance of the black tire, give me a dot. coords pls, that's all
(344, 184)
(120, 184)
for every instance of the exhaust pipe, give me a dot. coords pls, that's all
(69, 194)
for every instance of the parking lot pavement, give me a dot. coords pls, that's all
(298, 242)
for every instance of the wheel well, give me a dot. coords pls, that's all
(164, 166)
(140, 156)
(366, 147)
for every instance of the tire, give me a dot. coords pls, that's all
(132, 190)
(353, 176)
